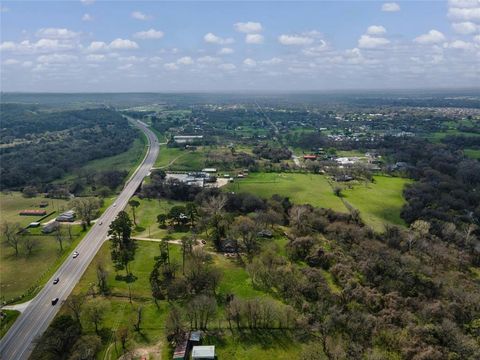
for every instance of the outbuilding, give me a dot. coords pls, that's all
(203, 352)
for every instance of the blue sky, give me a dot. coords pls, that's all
(223, 46)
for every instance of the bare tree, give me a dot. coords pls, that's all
(123, 335)
(138, 319)
(30, 243)
(11, 234)
(200, 311)
(247, 230)
(96, 313)
(75, 304)
(86, 209)
(59, 236)
(102, 276)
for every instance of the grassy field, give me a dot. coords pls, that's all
(473, 153)
(5, 323)
(120, 312)
(146, 215)
(379, 202)
(13, 202)
(127, 160)
(19, 274)
(300, 188)
(180, 159)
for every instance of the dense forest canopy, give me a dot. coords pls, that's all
(40, 146)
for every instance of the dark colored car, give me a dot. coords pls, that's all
(54, 301)
(56, 281)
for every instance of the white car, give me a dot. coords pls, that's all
(75, 254)
(100, 223)
(114, 204)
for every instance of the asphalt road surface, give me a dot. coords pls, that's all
(18, 343)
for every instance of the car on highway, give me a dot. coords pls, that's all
(100, 223)
(54, 301)
(55, 282)
(75, 254)
(114, 204)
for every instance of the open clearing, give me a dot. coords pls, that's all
(300, 188)
(378, 202)
(120, 312)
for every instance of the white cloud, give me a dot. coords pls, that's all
(432, 37)
(56, 33)
(371, 42)
(272, 61)
(56, 58)
(97, 46)
(254, 39)
(464, 3)
(87, 17)
(465, 28)
(315, 50)
(465, 13)
(214, 39)
(390, 7)
(87, 2)
(140, 16)
(11, 62)
(123, 44)
(3, 9)
(476, 38)
(460, 44)
(95, 57)
(186, 60)
(226, 51)
(227, 67)
(248, 27)
(27, 64)
(208, 60)
(149, 34)
(125, 67)
(249, 62)
(170, 66)
(42, 45)
(295, 40)
(376, 30)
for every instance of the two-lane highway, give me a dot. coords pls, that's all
(18, 343)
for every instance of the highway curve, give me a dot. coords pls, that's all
(18, 343)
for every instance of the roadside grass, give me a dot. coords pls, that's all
(379, 202)
(11, 203)
(25, 275)
(300, 188)
(146, 215)
(7, 321)
(127, 161)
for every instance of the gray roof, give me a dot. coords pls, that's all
(203, 352)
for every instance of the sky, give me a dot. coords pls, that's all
(161, 46)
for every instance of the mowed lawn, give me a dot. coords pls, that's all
(146, 216)
(11, 203)
(19, 274)
(180, 159)
(379, 202)
(120, 312)
(300, 188)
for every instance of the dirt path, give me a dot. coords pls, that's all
(18, 307)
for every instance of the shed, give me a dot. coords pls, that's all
(203, 352)
(195, 336)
